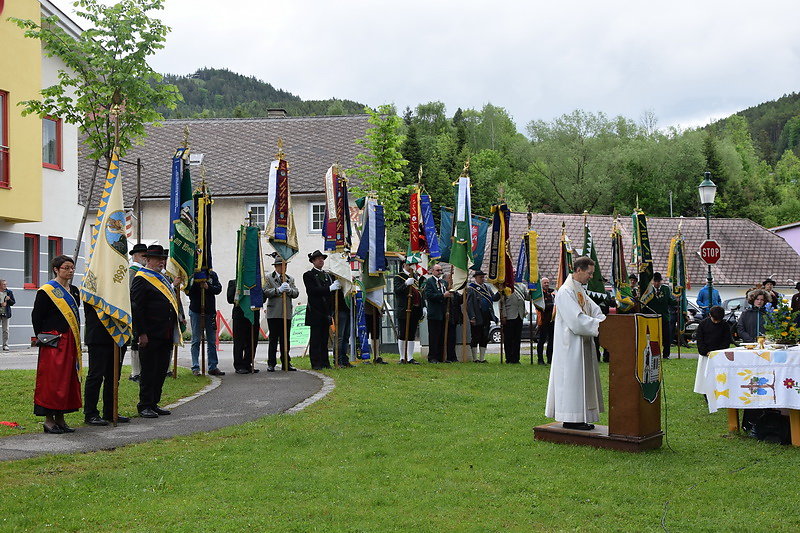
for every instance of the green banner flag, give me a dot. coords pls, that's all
(596, 288)
(249, 295)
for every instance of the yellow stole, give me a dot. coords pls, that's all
(162, 287)
(59, 297)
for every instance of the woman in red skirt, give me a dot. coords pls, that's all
(55, 312)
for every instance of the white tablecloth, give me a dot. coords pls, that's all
(750, 379)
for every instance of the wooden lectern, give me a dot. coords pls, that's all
(634, 424)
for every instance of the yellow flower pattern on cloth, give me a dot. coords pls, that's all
(722, 378)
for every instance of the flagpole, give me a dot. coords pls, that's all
(336, 328)
(178, 288)
(530, 300)
(465, 322)
(254, 329)
(374, 332)
(447, 318)
(115, 113)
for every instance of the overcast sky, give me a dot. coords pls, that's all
(688, 62)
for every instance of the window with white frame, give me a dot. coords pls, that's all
(259, 212)
(316, 216)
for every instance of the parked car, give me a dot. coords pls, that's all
(692, 321)
(737, 305)
(494, 331)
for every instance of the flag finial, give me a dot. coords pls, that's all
(419, 175)
(280, 154)
(465, 171)
(186, 137)
(530, 217)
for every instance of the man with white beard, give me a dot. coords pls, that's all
(574, 396)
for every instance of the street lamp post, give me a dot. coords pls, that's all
(708, 191)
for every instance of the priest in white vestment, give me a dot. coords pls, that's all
(574, 396)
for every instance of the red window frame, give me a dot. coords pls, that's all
(58, 165)
(34, 283)
(5, 158)
(59, 248)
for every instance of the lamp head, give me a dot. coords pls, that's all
(707, 189)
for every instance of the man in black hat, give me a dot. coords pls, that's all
(775, 297)
(276, 285)
(411, 310)
(480, 310)
(156, 315)
(137, 262)
(319, 311)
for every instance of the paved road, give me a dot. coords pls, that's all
(232, 399)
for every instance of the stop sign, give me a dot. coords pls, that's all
(710, 252)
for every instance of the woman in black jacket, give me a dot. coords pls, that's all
(751, 323)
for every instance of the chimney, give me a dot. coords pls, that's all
(276, 112)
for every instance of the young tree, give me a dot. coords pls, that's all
(380, 167)
(106, 68)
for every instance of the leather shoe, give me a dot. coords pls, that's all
(161, 412)
(55, 430)
(96, 421)
(292, 369)
(256, 370)
(134, 378)
(66, 429)
(197, 372)
(270, 369)
(242, 371)
(148, 413)
(120, 419)
(216, 372)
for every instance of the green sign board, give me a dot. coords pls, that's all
(300, 332)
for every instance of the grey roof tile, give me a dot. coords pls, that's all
(238, 152)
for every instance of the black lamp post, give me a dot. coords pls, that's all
(708, 191)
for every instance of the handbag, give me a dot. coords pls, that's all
(47, 339)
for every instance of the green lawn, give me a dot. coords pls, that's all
(417, 448)
(16, 398)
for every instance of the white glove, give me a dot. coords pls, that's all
(285, 287)
(335, 286)
(424, 312)
(409, 282)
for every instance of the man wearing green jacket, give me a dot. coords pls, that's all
(661, 304)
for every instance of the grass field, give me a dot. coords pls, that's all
(16, 398)
(417, 448)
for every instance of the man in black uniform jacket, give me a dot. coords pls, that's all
(319, 311)
(155, 314)
(547, 324)
(101, 370)
(407, 289)
(245, 335)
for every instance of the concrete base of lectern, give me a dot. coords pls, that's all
(598, 438)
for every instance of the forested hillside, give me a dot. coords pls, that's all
(774, 126)
(221, 93)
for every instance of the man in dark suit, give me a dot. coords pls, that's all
(319, 311)
(155, 313)
(101, 370)
(410, 307)
(546, 324)
(245, 335)
(436, 298)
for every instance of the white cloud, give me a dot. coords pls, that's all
(687, 61)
